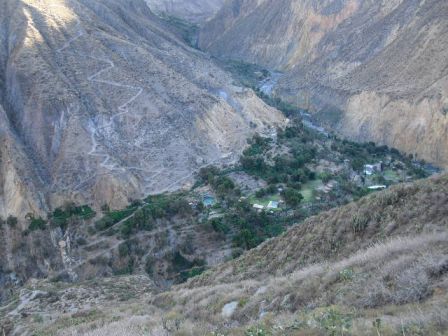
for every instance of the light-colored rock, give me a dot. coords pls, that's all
(229, 309)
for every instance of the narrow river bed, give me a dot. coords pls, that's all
(267, 85)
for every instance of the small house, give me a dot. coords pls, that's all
(273, 205)
(370, 169)
(258, 206)
(377, 187)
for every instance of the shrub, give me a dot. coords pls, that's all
(257, 331)
(11, 221)
(360, 222)
(123, 250)
(37, 224)
(325, 177)
(334, 322)
(149, 265)
(346, 274)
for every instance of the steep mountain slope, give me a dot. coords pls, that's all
(102, 104)
(372, 70)
(196, 11)
(377, 266)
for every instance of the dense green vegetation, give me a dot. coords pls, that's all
(61, 216)
(184, 268)
(113, 217)
(221, 184)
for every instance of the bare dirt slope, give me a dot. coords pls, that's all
(102, 105)
(372, 70)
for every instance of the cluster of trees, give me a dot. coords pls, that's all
(184, 268)
(111, 218)
(156, 207)
(249, 227)
(361, 153)
(288, 169)
(61, 216)
(222, 185)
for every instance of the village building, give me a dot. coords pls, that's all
(273, 205)
(370, 169)
(258, 206)
(377, 187)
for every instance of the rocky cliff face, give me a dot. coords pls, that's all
(372, 70)
(100, 105)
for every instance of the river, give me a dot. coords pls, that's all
(267, 85)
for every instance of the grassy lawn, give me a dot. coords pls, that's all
(391, 175)
(308, 190)
(265, 200)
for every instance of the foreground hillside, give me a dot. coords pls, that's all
(100, 103)
(374, 267)
(372, 70)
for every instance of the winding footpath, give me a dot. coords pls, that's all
(122, 109)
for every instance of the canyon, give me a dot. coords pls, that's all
(370, 70)
(223, 167)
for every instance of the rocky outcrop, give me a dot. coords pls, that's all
(372, 70)
(102, 105)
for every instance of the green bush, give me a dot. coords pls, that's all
(112, 217)
(325, 177)
(37, 224)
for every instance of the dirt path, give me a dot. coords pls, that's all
(26, 296)
(122, 109)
